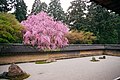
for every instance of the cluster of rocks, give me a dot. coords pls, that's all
(94, 59)
(103, 57)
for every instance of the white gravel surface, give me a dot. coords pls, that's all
(73, 69)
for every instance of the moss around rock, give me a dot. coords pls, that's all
(19, 77)
(46, 61)
(94, 59)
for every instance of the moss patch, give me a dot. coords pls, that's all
(94, 59)
(20, 77)
(41, 62)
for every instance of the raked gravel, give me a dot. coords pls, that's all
(73, 69)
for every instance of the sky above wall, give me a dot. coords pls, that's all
(64, 3)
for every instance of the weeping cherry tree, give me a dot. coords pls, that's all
(43, 31)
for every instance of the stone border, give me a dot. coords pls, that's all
(11, 55)
(59, 55)
(20, 49)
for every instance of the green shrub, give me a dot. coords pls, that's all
(81, 37)
(10, 29)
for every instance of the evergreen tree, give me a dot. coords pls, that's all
(20, 10)
(39, 6)
(76, 14)
(35, 7)
(103, 23)
(100, 22)
(43, 7)
(6, 5)
(116, 23)
(55, 10)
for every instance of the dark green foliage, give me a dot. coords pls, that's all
(43, 7)
(38, 6)
(55, 10)
(100, 21)
(20, 10)
(76, 14)
(18, 5)
(116, 22)
(6, 5)
(10, 29)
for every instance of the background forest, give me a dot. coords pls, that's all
(89, 23)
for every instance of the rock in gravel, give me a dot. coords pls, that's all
(14, 70)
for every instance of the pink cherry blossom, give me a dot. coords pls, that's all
(43, 31)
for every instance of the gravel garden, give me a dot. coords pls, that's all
(72, 69)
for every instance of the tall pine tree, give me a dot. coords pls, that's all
(101, 23)
(6, 5)
(20, 10)
(38, 6)
(76, 14)
(55, 10)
